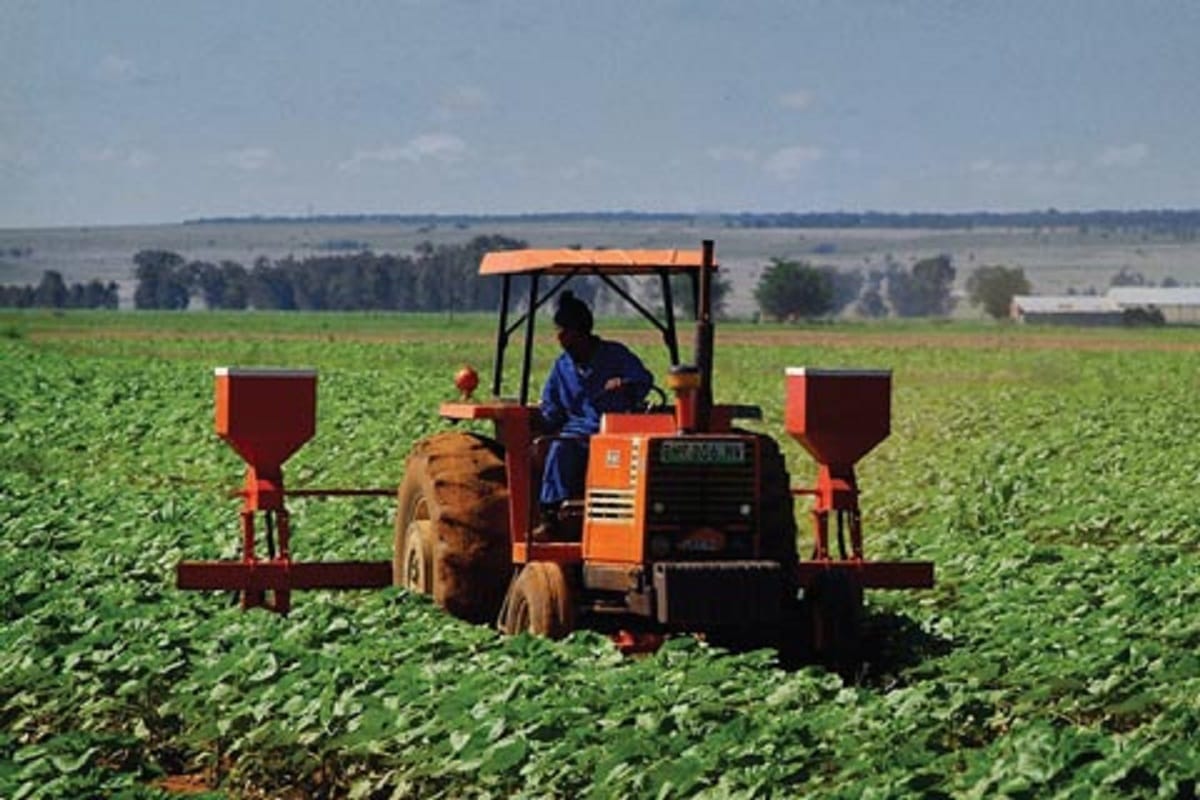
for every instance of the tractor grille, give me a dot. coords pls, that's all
(610, 505)
(682, 496)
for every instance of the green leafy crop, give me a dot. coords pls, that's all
(1051, 477)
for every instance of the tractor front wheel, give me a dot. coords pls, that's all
(451, 539)
(415, 568)
(540, 602)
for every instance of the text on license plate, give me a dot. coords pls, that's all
(702, 452)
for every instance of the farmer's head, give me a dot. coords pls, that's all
(573, 321)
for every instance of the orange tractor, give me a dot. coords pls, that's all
(686, 522)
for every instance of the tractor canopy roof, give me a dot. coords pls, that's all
(607, 265)
(596, 262)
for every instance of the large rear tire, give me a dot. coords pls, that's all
(540, 602)
(451, 539)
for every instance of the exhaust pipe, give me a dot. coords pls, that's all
(704, 339)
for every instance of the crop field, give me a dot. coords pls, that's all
(1052, 476)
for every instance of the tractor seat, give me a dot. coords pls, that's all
(566, 525)
(570, 519)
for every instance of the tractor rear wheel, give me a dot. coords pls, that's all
(451, 539)
(540, 602)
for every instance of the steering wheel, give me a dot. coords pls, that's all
(656, 400)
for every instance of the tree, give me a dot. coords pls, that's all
(846, 284)
(870, 301)
(268, 287)
(899, 292)
(994, 287)
(208, 279)
(683, 299)
(925, 291)
(17, 296)
(100, 295)
(1139, 316)
(1129, 277)
(52, 291)
(791, 289)
(162, 282)
(235, 281)
(934, 278)
(439, 278)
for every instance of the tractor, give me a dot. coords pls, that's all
(686, 523)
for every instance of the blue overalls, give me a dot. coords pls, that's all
(573, 400)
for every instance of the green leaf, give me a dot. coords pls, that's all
(504, 755)
(458, 740)
(72, 764)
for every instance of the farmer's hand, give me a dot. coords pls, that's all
(612, 384)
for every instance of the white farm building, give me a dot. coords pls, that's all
(1071, 309)
(1177, 305)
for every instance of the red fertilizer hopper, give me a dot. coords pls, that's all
(266, 415)
(838, 416)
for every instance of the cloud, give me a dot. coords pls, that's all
(1129, 155)
(518, 162)
(585, 167)
(1113, 157)
(104, 155)
(140, 159)
(11, 156)
(250, 159)
(723, 154)
(117, 69)
(797, 100)
(990, 168)
(790, 163)
(134, 157)
(442, 148)
(460, 101)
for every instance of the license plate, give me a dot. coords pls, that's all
(696, 451)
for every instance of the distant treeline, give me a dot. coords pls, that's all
(53, 292)
(433, 279)
(1182, 223)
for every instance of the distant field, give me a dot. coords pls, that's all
(1055, 259)
(194, 335)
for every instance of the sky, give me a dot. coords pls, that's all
(121, 112)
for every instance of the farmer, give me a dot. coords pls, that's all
(591, 377)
